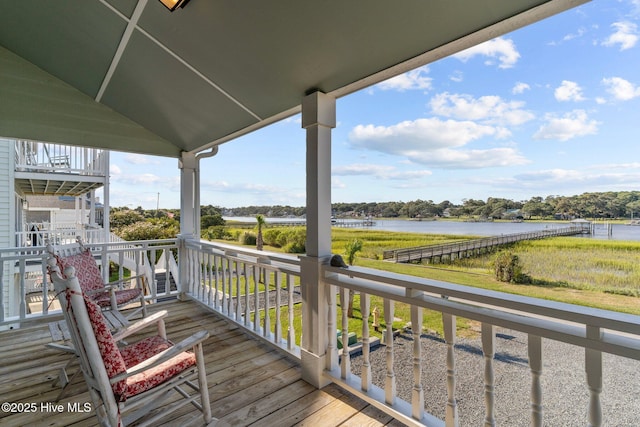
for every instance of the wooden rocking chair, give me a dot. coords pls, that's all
(108, 296)
(132, 383)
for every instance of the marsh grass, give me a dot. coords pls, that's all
(608, 266)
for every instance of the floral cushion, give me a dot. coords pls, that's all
(146, 380)
(111, 356)
(118, 360)
(87, 270)
(103, 299)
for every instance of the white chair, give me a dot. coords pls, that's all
(131, 383)
(111, 295)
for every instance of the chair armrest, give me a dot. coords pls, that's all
(181, 347)
(153, 319)
(125, 279)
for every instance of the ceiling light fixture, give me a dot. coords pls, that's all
(174, 4)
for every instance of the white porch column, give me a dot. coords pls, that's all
(189, 214)
(189, 165)
(189, 211)
(106, 208)
(318, 118)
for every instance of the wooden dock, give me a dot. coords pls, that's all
(468, 248)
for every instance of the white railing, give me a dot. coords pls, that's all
(31, 156)
(39, 236)
(227, 279)
(595, 331)
(234, 281)
(26, 292)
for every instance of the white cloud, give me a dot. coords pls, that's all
(435, 142)
(504, 50)
(488, 109)
(578, 34)
(336, 183)
(412, 80)
(379, 171)
(625, 35)
(114, 170)
(456, 76)
(568, 177)
(520, 88)
(569, 91)
(570, 125)
(139, 159)
(621, 89)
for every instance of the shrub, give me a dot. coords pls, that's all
(247, 238)
(295, 248)
(216, 232)
(271, 236)
(507, 267)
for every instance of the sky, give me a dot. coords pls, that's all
(550, 109)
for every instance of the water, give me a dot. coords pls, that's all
(619, 231)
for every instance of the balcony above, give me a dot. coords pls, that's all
(61, 170)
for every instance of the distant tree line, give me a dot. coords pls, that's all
(140, 224)
(612, 204)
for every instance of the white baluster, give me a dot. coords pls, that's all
(488, 350)
(535, 364)
(223, 294)
(232, 272)
(256, 298)
(217, 264)
(267, 318)
(593, 366)
(247, 292)
(291, 333)
(278, 328)
(417, 394)
(238, 298)
(332, 329)
(451, 416)
(345, 361)
(390, 379)
(208, 281)
(365, 306)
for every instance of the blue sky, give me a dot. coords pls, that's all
(551, 109)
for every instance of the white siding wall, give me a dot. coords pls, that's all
(7, 215)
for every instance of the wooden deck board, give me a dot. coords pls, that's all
(250, 382)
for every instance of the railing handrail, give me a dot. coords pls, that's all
(611, 320)
(290, 262)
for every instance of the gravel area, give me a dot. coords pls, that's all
(565, 393)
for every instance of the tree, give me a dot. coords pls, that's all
(351, 249)
(260, 224)
(211, 220)
(124, 218)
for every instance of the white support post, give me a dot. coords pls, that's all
(188, 164)
(318, 118)
(189, 215)
(106, 210)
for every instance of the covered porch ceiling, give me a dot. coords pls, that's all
(129, 75)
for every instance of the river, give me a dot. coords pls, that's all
(619, 231)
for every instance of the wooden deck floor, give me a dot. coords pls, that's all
(250, 383)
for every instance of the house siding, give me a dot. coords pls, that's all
(7, 214)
